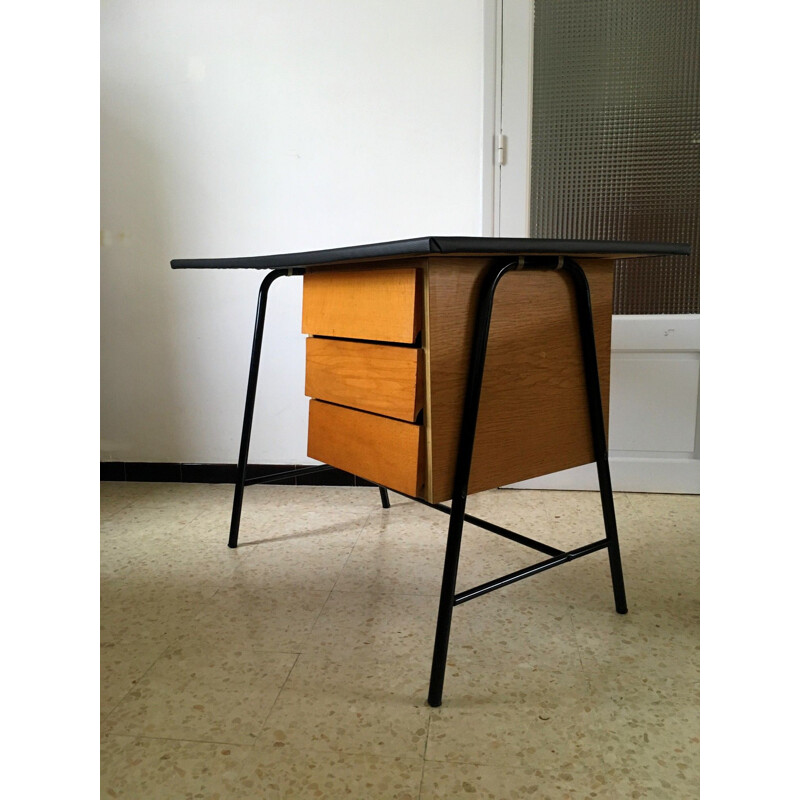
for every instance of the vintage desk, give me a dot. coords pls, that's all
(442, 366)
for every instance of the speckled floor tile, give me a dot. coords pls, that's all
(267, 524)
(489, 629)
(355, 625)
(577, 517)
(357, 707)
(679, 512)
(548, 692)
(154, 522)
(299, 564)
(295, 512)
(203, 694)
(177, 560)
(635, 640)
(160, 769)
(252, 615)
(280, 772)
(651, 728)
(509, 627)
(400, 550)
(346, 498)
(514, 716)
(135, 610)
(169, 495)
(122, 665)
(113, 499)
(445, 781)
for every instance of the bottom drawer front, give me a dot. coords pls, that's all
(379, 449)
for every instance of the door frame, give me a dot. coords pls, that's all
(508, 97)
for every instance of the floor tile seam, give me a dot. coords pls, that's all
(510, 764)
(112, 514)
(348, 752)
(422, 772)
(687, 682)
(322, 607)
(639, 512)
(294, 750)
(168, 504)
(578, 649)
(277, 697)
(374, 593)
(385, 593)
(356, 540)
(290, 537)
(427, 737)
(139, 680)
(181, 740)
(552, 528)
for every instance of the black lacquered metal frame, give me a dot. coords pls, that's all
(449, 598)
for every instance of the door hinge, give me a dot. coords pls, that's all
(502, 145)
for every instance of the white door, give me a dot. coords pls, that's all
(655, 359)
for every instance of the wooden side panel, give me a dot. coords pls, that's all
(379, 449)
(383, 379)
(533, 417)
(381, 304)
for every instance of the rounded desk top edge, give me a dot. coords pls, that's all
(442, 246)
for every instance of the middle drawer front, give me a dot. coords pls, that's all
(383, 379)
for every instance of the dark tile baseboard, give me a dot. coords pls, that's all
(219, 473)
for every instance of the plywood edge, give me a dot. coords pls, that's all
(426, 353)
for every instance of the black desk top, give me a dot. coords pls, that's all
(441, 245)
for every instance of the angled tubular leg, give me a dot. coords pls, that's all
(469, 421)
(594, 396)
(250, 400)
(384, 497)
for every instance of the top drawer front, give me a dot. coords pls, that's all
(383, 305)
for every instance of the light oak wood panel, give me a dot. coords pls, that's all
(382, 379)
(379, 449)
(377, 304)
(533, 417)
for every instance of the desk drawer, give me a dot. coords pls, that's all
(383, 379)
(383, 305)
(377, 448)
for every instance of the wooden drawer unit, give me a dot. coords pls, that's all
(365, 373)
(366, 356)
(380, 449)
(383, 305)
(382, 379)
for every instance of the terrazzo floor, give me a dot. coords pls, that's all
(296, 666)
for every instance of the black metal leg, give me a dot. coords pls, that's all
(446, 602)
(384, 497)
(249, 404)
(469, 421)
(594, 396)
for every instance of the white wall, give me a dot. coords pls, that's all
(254, 127)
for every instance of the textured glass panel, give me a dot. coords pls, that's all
(615, 137)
